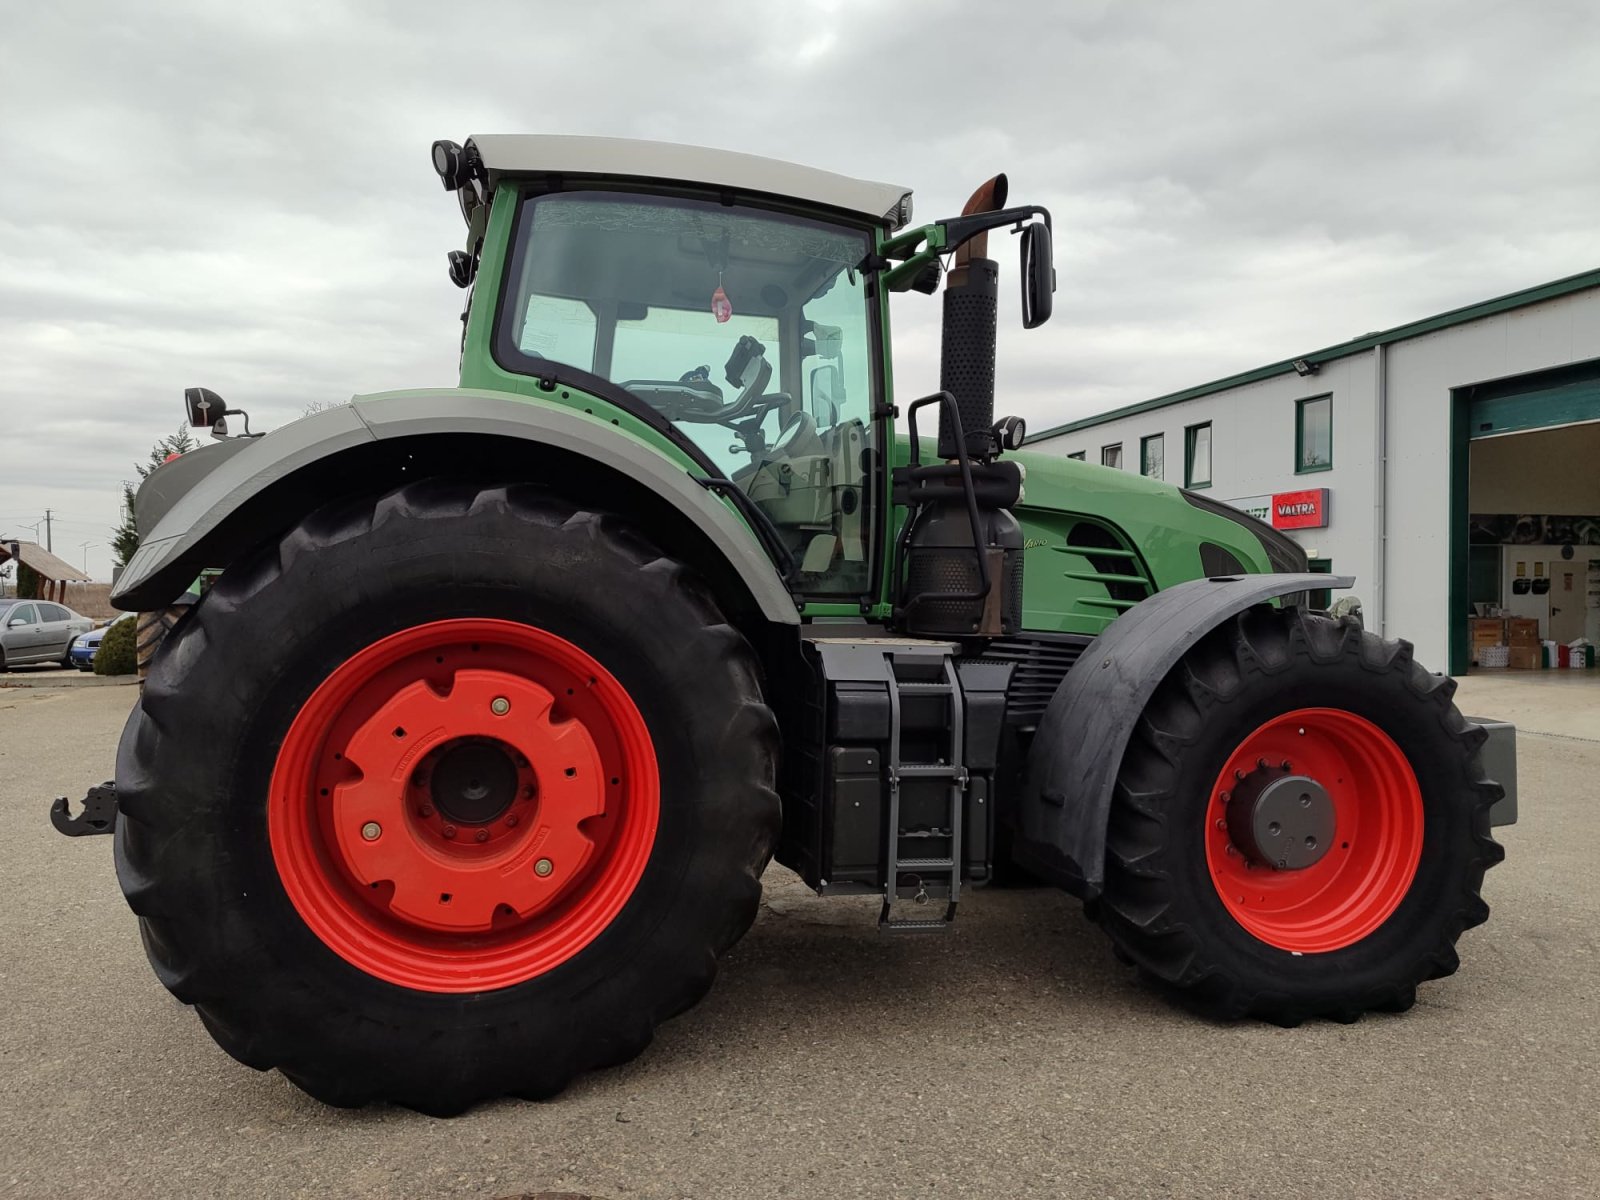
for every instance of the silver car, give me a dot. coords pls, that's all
(37, 631)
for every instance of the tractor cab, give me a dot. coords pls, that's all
(738, 306)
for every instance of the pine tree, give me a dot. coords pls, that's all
(125, 537)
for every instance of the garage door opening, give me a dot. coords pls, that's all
(1526, 484)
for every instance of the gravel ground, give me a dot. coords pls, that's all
(1012, 1057)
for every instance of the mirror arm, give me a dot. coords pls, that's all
(903, 246)
(906, 276)
(959, 229)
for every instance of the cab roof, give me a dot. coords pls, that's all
(626, 158)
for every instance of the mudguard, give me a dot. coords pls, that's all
(187, 536)
(1077, 751)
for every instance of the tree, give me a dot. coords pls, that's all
(125, 537)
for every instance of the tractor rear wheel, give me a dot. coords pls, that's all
(451, 794)
(1300, 825)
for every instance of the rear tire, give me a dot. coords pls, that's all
(1397, 884)
(250, 895)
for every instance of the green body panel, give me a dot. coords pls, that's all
(1162, 529)
(1064, 590)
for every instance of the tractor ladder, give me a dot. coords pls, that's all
(928, 853)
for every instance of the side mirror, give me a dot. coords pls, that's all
(827, 389)
(15, 622)
(204, 406)
(1038, 275)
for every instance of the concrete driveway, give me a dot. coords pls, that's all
(1013, 1057)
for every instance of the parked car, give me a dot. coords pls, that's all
(37, 631)
(84, 646)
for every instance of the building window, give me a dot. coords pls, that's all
(1078, 454)
(1111, 456)
(1321, 599)
(1313, 434)
(1152, 450)
(1197, 456)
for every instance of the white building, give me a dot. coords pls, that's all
(1438, 462)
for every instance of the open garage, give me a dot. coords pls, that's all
(1533, 530)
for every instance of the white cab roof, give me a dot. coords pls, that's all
(625, 158)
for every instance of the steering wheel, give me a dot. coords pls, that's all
(796, 431)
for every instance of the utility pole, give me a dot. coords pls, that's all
(49, 542)
(85, 548)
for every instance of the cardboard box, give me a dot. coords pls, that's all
(1488, 631)
(1522, 631)
(1526, 658)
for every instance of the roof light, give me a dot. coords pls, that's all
(448, 159)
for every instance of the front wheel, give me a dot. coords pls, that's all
(449, 795)
(1300, 826)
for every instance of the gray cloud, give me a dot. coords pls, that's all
(239, 195)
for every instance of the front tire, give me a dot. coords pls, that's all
(1300, 826)
(449, 795)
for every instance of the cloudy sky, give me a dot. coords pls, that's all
(239, 195)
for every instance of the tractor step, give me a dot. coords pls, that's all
(917, 925)
(927, 771)
(925, 864)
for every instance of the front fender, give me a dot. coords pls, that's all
(209, 524)
(1077, 750)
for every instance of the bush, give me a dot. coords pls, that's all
(118, 654)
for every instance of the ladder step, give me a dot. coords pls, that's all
(933, 689)
(925, 864)
(928, 771)
(933, 925)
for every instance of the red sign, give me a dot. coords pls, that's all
(1300, 510)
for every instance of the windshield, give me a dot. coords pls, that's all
(748, 330)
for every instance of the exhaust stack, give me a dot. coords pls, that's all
(967, 341)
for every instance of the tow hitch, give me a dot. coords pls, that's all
(99, 813)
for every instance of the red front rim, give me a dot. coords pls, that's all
(1373, 854)
(493, 880)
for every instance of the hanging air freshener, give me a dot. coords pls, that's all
(721, 309)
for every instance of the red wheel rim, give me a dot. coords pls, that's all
(455, 891)
(1377, 840)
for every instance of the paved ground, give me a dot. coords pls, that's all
(53, 676)
(1011, 1058)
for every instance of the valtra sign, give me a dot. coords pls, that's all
(1300, 510)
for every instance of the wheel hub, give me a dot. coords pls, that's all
(1280, 819)
(464, 804)
(474, 782)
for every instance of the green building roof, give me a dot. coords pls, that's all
(1456, 316)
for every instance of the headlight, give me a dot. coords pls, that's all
(81, 640)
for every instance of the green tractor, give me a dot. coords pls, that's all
(463, 771)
